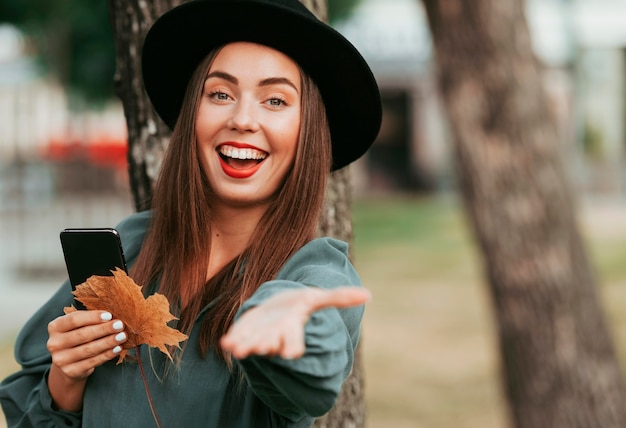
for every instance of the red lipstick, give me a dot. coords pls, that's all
(230, 166)
(238, 173)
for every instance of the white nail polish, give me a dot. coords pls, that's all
(106, 316)
(117, 349)
(120, 336)
(118, 325)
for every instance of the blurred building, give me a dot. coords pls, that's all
(59, 167)
(581, 45)
(45, 146)
(411, 152)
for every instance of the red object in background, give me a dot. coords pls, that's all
(107, 152)
(100, 151)
(60, 150)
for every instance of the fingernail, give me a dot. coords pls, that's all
(117, 349)
(120, 336)
(106, 316)
(118, 325)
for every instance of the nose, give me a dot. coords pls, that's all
(243, 118)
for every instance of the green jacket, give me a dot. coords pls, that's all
(201, 392)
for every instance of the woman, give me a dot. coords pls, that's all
(264, 100)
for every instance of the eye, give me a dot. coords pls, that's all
(219, 95)
(276, 102)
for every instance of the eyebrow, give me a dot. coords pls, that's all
(278, 81)
(265, 82)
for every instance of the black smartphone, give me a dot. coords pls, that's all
(91, 251)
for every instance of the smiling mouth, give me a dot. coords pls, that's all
(241, 158)
(240, 161)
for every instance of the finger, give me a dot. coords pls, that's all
(78, 319)
(264, 348)
(230, 343)
(342, 297)
(227, 341)
(85, 367)
(237, 350)
(242, 346)
(242, 342)
(81, 360)
(83, 335)
(286, 341)
(244, 331)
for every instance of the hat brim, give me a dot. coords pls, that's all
(182, 37)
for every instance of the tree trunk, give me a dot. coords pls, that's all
(558, 361)
(349, 412)
(147, 134)
(148, 137)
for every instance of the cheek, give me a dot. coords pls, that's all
(207, 120)
(201, 127)
(203, 153)
(290, 136)
(291, 144)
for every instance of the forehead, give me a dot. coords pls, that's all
(252, 58)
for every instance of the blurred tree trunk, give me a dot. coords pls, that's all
(147, 134)
(148, 137)
(558, 361)
(349, 412)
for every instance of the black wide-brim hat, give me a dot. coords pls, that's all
(180, 39)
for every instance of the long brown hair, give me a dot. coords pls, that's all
(178, 242)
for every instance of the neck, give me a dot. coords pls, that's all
(231, 231)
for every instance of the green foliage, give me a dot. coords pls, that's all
(73, 38)
(593, 141)
(340, 9)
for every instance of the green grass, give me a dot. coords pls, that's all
(430, 232)
(609, 257)
(429, 356)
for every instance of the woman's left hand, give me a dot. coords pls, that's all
(276, 327)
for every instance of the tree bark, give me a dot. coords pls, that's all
(148, 137)
(147, 134)
(349, 412)
(559, 365)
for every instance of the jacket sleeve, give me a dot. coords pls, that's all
(24, 395)
(310, 385)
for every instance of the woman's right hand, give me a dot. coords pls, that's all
(78, 343)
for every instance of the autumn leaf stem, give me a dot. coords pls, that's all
(145, 384)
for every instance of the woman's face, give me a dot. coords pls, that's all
(248, 122)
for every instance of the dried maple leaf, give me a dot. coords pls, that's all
(145, 319)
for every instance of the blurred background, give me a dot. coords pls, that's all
(430, 356)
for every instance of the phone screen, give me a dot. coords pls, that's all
(93, 251)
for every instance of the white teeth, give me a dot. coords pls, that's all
(237, 153)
